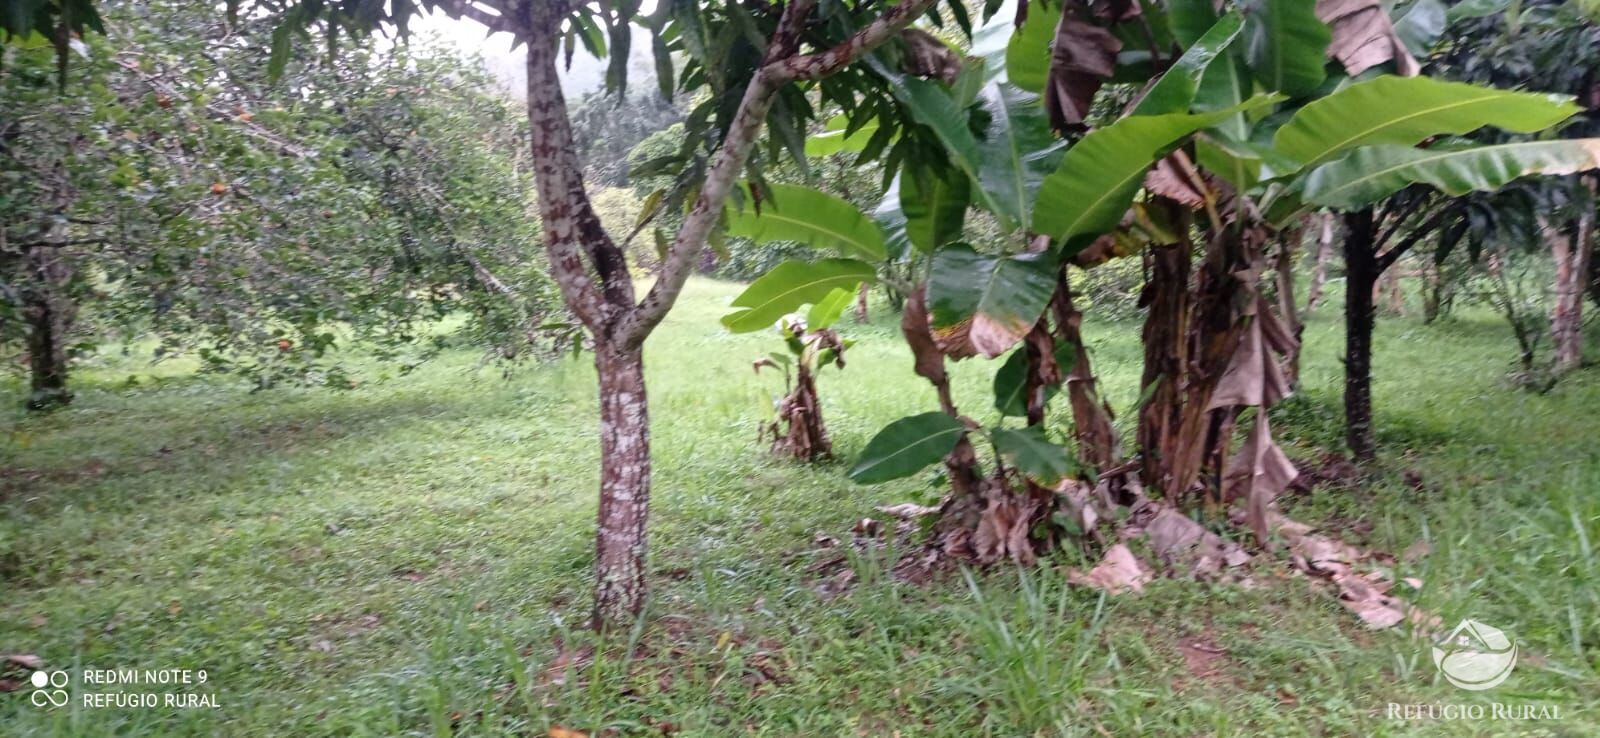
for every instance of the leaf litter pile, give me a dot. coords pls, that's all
(1170, 545)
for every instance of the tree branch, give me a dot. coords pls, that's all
(779, 68)
(1388, 258)
(503, 19)
(821, 64)
(58, 244)
(572, 231)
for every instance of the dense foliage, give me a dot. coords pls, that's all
(170, 188)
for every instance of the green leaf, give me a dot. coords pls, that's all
(1017, 152)
(1030, 451)
(1176, 89)
(839, 138)
(1371, 173)
(826, 312)
(1010, 380)
(906, 446)
(791, 284)
(1420, 25)
(1406, 110)
(664, 73)
(1098, 178)
(933, 106)
(1286, 44)
(992, 300)
(1028, 51)
(933, 202)
(812, 217)
(1190, 19)
(1468, 9)
(992, 42)
(891, 217)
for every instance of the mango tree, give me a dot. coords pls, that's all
(759, 63)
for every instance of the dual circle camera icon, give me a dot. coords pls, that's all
(49, 689)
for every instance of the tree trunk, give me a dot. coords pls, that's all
(1387, 292)
(861, 303)
(49, 315)
(1319, 271)
(1288, 310)
(1166, 341)
(1361, 274)
(1571, 249)
(1432, 290)
(1091, 418)
(624, 486)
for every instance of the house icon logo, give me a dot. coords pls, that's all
(1475, 656)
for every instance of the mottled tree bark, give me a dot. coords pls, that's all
(49, 315)
(592, 272)
(624, 485)
(1571, 249)
(861, 302)
(1361, 270)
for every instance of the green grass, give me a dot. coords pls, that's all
(411, 558)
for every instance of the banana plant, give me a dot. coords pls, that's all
(797, 430)
(1243, 117)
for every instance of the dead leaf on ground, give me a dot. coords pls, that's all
(908, 510)
(1119, 571)
(26, 660)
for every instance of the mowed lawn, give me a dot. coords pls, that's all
(411, 557)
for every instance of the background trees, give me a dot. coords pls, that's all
(170, 189)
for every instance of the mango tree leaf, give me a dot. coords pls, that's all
(1017, 151)
(906, 446)
(1098, 178)
(1371, 173)
(1406, 110)
(1176, 89)
(984, 301)
(664, 71)
(892, 219)
(1285, 45)
(790, 285)
(1030, 451)
(837, 137)
(812, 217)
(826, 312)
(934, 203)
(1028, 51)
